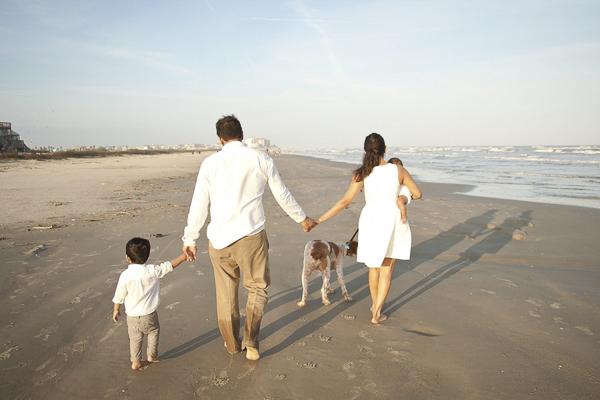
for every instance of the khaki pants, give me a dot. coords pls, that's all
(137, 327)
(250, 255)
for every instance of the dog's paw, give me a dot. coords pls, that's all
(326, 302)
(301, 303)
(349, 298)
(330, 291)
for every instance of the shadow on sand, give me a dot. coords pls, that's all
(494, 239)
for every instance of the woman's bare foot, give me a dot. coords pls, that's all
(138, 364)
(378, 319)
(153, 359)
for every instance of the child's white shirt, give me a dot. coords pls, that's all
(139, 288)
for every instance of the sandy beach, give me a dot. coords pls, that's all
(501, 299)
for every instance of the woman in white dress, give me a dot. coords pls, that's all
(383, 236)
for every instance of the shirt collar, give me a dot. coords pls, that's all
(234, 144)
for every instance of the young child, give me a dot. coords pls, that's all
(403, 197)
(139, 289)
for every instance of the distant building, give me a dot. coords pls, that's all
(10, 140)
(257, 143)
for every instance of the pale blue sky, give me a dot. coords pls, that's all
(302, 73)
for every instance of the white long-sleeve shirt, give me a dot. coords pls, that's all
(139, 288)
(230, 186)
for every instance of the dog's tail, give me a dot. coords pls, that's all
(316, 254)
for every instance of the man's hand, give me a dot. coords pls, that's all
(116, 313)
(190, 252)
(309, 224)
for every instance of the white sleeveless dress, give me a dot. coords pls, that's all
(381, 231)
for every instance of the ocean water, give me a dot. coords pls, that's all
(567, 175)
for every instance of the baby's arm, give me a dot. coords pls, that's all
(401, 203)
(178, 260)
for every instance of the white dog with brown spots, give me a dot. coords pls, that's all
(326, 257)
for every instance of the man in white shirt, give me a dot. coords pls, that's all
(230, 186)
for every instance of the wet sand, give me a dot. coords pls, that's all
(501, 299)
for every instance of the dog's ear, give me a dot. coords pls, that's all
(353, 244)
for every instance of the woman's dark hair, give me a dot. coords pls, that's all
(138, 250)
(374, 151)
(229, 127)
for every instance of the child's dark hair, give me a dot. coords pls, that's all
(138, 250)
(395, 160)
(374, 150)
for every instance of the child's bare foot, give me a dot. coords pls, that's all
(138, 364)
(378, 319)
(153, 359)
(252, 354)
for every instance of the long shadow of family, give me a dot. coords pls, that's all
(229, 189)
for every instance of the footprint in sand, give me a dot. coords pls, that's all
(488, 292)
(324, 338)
(75, 300)
(559, 320)
(365, 335)
(537, 303)
(171, 306)
(166, 289)
(399, 356)
(508, 283)
(45, 332)
(6, 354)
(40, 380)
(199, 273)
(41, 367)
(534, 314)
(348, 367)
(585, 329)
(555, 305)
(64, 311)
(85, 310)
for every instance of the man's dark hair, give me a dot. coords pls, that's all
(229, 128)
(138, 250)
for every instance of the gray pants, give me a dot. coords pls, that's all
(137, 327)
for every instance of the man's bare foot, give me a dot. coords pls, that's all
(138, 364)
(377, 320)
(252, 354)
(153, 359)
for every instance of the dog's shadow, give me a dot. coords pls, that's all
(358, 286)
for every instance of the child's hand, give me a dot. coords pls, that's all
(116, 314)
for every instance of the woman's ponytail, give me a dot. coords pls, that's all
(374, 151)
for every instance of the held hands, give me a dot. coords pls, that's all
(190, 252)
(308, 224)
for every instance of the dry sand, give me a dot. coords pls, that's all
(501, 299)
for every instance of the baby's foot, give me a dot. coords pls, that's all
(138, 364)
(153, 359)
